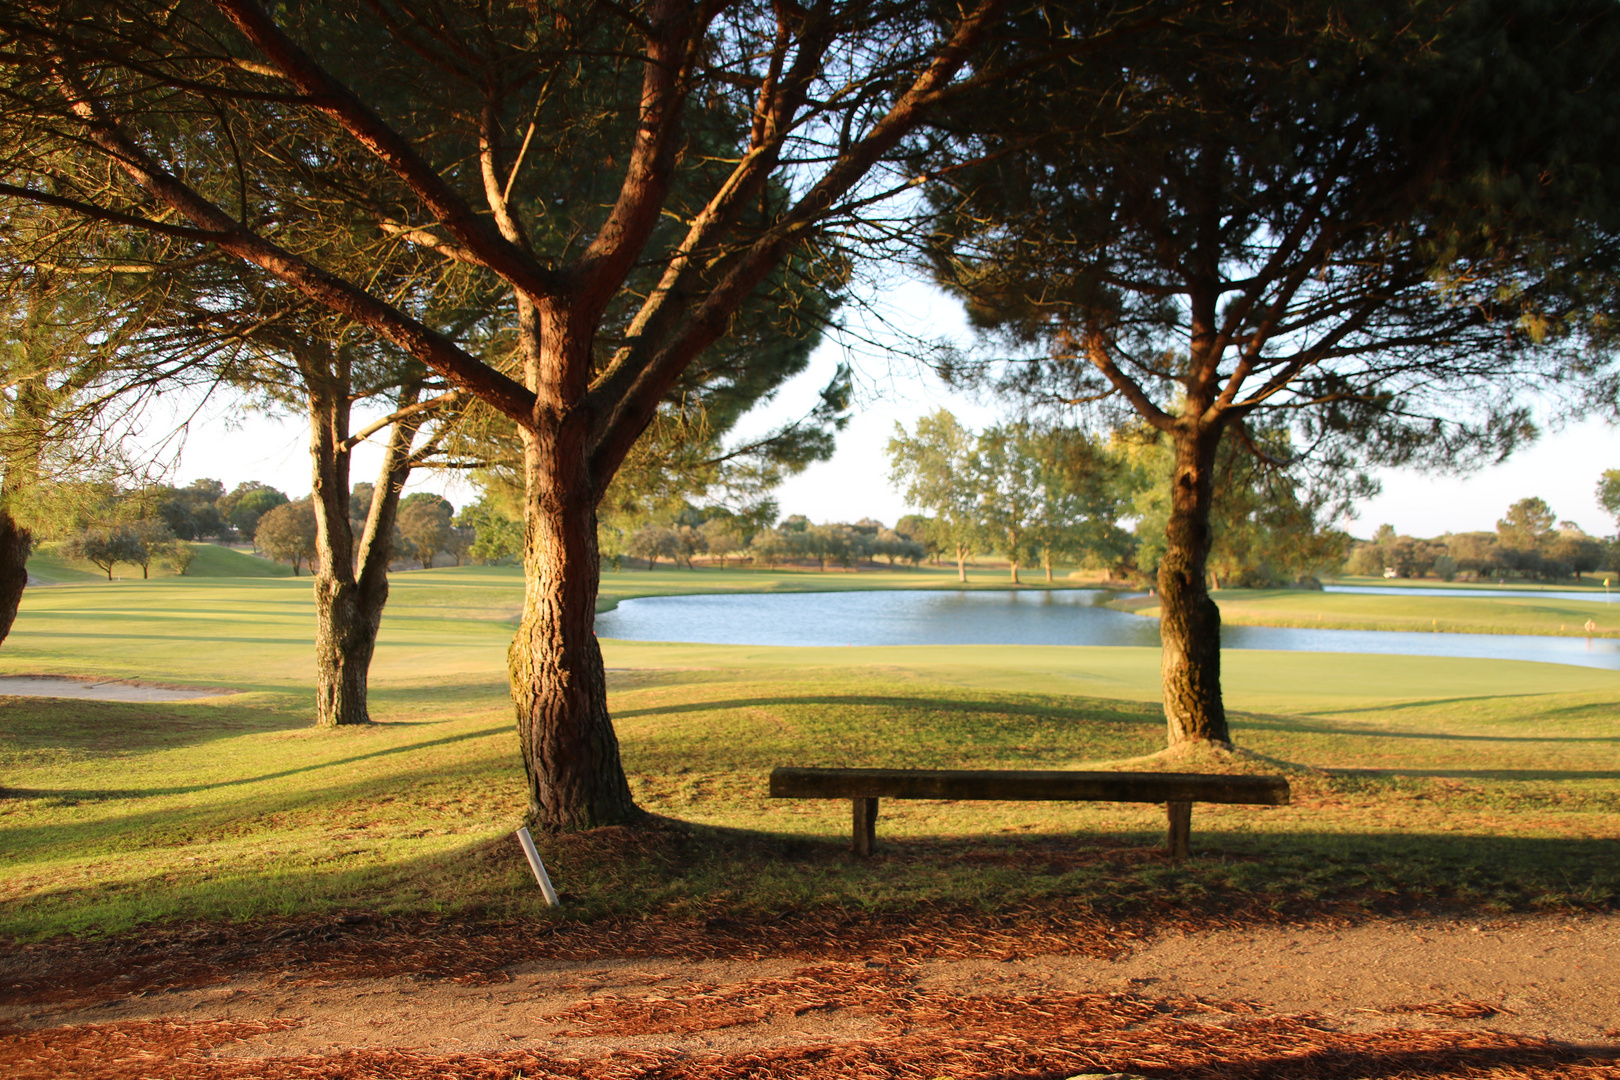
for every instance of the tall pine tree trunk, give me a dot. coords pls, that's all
(1190, 623)
(25, 439)
(559, 686)
(15, 544)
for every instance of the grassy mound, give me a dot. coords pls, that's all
(1523, 612)
(214, 560)
(209, 561)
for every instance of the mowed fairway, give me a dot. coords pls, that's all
(1417, 781)
(1523, 612)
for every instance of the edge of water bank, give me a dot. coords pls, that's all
(606, 604)
(1148, 607)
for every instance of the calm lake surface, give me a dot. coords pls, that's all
(1008, 617)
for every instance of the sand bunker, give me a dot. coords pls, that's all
(66, 686)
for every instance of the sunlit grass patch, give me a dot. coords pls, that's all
(1416, 781)
(1516, 613)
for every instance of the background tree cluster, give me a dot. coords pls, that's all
(1039, 494)
(1529, 543)
(1032, 493)
(105, 525)
(797, 539)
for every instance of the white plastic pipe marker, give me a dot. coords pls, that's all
(538, 867)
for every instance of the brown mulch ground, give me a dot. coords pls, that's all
(902, 1028)
(1046, 1037)
(358, 946)
(909, 1031)
(468, 948)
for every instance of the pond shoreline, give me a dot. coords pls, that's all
(1083, 618)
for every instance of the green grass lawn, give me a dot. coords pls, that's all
(1523, 612)
(1420, 781)
(1592, 582)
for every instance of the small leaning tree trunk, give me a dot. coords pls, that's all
(343, 647)
(351, 584)
(1190, 622)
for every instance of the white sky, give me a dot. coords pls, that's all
(1563, 468)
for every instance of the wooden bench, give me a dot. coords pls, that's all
(1178, 791)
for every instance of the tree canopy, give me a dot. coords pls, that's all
(730, 146)
(1372, 225)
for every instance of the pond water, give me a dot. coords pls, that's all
(1009, 617)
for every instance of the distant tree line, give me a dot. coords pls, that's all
(1529, 543)
(158, 524)
(722, 536)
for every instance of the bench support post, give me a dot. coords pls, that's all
(865, 820)
(1180, 827)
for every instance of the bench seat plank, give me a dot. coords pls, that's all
(1027, 785)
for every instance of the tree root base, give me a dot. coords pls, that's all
(1215, 757)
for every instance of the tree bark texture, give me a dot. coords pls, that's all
(21, 471)
(559, 687)
(15, 544)
(351, 582)
(1190, 622)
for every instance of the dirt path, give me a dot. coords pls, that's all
(1492, 989)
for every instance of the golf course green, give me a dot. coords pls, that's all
(1417, 781)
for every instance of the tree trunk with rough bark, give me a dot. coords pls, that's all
(351, 584)
(16, 543)
(26, 439)
(559, 686)
(1190, 623)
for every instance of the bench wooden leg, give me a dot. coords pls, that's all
(1180, 827)
(865, 815)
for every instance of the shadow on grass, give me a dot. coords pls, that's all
(1435, 703)
(1480, 774)
(1297, 725)
(669, 888)
(1098, 709)
(104, 727)
(102, 794)
(670, 866)
(178, 826)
